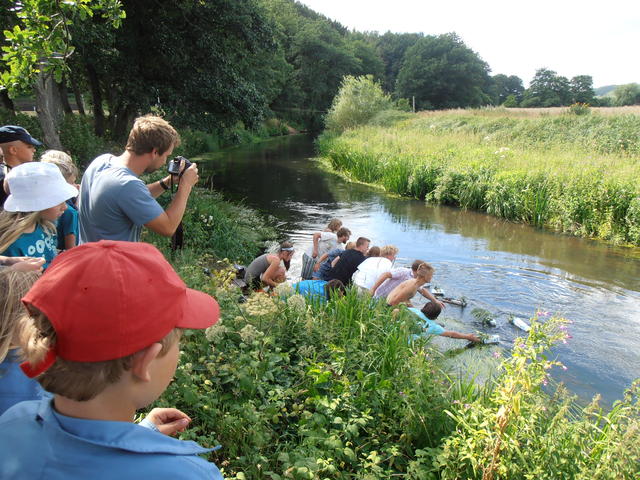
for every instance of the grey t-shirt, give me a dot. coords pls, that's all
(114, 203)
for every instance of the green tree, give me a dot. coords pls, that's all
(547, 89)
(628, 94)
(392, 47)
(357, 101)
(502, 86)
(442, 72)
(581, 87)
(40, 45)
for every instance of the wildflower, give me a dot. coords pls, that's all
(402, 394)
(564, 368)
(521, 345)
(215, 332)
(544, 314)
(284, 290)
(260, 304)
(297, 303)
(456, 402)
(496, 354)
(249, 333)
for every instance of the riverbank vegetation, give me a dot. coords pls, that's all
(575, 172)
(293, 390)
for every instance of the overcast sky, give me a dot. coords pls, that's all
(515, 37)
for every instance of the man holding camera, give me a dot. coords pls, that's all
(115, 203)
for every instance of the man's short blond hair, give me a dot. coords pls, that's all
(152, 132)
(80, 381)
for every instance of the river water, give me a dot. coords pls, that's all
(505, 268)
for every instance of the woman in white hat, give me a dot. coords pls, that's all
(37, 199)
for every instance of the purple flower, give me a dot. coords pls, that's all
(496, 354)
(544, 314)
(521, 345)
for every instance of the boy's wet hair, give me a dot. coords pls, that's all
(334, 287)
(80, 381)
(431, 310)
(151, 132)
(424, 269)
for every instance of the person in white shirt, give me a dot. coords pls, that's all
(373, 267)
(323, 242)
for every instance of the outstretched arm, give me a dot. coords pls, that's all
(380, 281)
(428, 295)
(465, 336)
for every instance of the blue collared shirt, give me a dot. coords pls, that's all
(37, 443)
(15, 386)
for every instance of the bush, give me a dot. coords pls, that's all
(357, 101)
(579, 108)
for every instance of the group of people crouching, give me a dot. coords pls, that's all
(332, 263)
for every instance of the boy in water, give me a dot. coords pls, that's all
(102, 336)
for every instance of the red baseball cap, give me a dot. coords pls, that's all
(110, 299)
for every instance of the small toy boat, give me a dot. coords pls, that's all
(462, 302)
(520, 323)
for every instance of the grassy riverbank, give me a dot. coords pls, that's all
(578, 174)
(295, 391)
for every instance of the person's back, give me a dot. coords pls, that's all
(370, 270)
(325, 267)
(107, 346)
(347, 264)
(395, 277)
(106, 209)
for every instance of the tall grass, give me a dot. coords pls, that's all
(575, 174)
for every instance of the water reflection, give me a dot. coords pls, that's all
(507, 268)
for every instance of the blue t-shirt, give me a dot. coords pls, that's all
(68, 224)
(311, 289)
(15, 386)
(38, 442)
(38, 244)
(114, 202)
(432, 328)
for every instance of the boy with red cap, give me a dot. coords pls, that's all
(102, 336)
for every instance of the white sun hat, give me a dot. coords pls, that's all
(36, 186)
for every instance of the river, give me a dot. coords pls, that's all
(505, 268)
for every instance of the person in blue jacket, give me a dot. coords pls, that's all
(107, 346)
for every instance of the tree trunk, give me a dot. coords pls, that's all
(7, 102)
(77, 94)
(96, 96)
(64, 97)
(49, 108)
(122, 121)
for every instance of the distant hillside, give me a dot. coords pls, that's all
(606, 90)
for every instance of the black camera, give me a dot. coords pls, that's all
(174, 165)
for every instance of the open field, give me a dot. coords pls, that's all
(578, 174)
(532, 112)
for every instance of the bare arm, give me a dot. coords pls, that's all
(166, 223)
(428, 295)
(335, 262)
(69, 241)
(380, 281)
(267, 276)
(155, 189)
(319, 262)
(316, 239)
(464, 336)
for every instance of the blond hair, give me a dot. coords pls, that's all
(424, 269)
(14, 224)
(334, 224)
(13, 286)
(350, 246)
(151, 132)
(80, 381)
(388, 250)
(63, 161)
